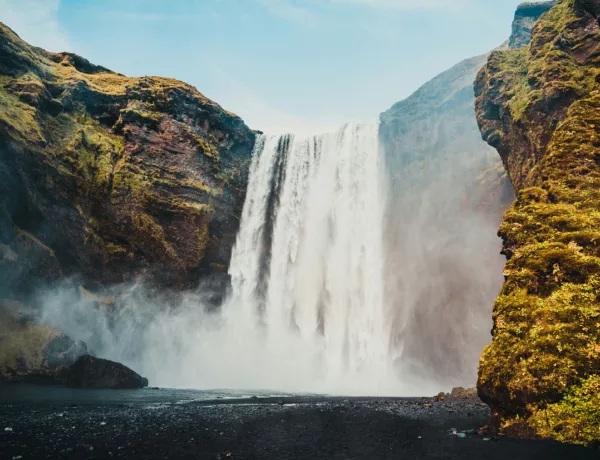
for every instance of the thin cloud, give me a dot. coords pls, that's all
(405, 4)
(36, 21)
(290, 11)
(257, 112)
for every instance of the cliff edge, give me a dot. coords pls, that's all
(540, 108)
(111, 178)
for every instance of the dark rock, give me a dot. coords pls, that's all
(90, 372)
(101, 174)
(591, 6)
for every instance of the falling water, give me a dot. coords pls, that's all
(337, 288)
(307, 269)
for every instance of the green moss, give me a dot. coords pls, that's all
(142, 113)
(23, 342)
(87, 148)
(20, 118)
(513, 68)
(577, 415)
(542, 368)
(151, 236)
(114, 151)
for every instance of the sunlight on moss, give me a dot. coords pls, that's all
(543, 366)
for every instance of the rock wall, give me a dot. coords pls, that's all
(447, 196)
(539, 107)
(111, 178)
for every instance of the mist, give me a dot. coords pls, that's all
(381, 283)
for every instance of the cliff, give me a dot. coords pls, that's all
(111, 178)
(436, 123)
(448, 192)
(526, 16)
(539, 107)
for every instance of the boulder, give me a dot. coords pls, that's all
(31, 351)
(90, 372)
(457, 393)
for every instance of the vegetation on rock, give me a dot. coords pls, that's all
(540, 107)
(526, 16)
(110, 177)
(30, 350)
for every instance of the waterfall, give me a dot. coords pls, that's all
(307, 268)
(351, 275)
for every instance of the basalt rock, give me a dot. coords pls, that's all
(90, 372)
(110, 177)
(540, 108)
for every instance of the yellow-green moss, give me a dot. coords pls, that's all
(85, 148)
(18, 116)
(543, 366)
(207, 148)
(23, 341)
(117, 150)
(576, 416)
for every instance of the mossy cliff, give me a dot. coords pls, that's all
(526, 16)
(540, 108)
(110, 177)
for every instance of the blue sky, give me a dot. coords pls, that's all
(279, 64)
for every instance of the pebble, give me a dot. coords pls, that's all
(8, 429)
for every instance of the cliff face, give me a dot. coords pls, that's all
(539, 107)
(448, 193)
(110, 177)
(436, 123)
(526, 16)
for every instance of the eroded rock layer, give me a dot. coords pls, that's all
(111, 177)
(540, 108)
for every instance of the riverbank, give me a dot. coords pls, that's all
(159, 424)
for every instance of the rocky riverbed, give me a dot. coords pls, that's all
(160, 424)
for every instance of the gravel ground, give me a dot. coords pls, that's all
(110, 425)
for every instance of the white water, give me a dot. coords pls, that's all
(307, 269)
(336, 288)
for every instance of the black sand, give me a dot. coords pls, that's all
(103, 425)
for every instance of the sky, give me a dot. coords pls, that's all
(279, 64)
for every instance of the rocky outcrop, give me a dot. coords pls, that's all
(526, 16)
(539, 107)
(110, 177)
(31, 351)
(90, 372)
